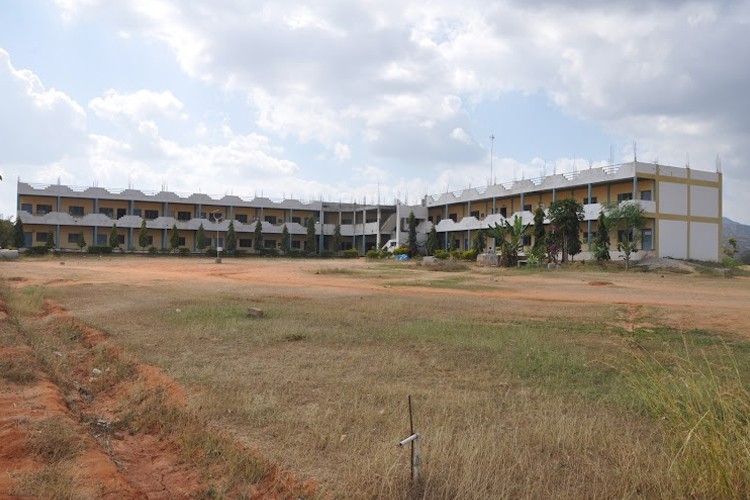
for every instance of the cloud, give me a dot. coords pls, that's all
(37, 124)
(137, 106)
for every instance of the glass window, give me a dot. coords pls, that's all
(27, 207)
(76, 211)
(43, 209)
(646, 195)
(269, 243)
(527, 208)
(241, 218)
(648, 239)
(624, 197)
(41, 237)
(151, 214)
(109, 212)
(271, 219)
(183, 215)
(246, 242)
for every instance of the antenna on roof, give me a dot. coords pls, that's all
(611, 154)
(635, 153)
(718, 163)
(687, 160)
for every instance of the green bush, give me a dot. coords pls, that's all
(211, 252)
(470, 255)
(729, 262)
(376, 254)
(269, 252)
(38, 250)
(294, 253)
(402, 250)
(183, 251)
(152, 250)
(352, 253)
(442, 254)
(327, 254)
(240, 253)
(99, 249)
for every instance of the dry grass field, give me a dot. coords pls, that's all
(525, 383)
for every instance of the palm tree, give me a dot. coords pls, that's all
(509, 238)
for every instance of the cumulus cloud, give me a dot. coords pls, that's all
(37, 124)
(137, 106)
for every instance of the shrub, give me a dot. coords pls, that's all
(269, 252)
(470, 255)
(152, 250)
(183, 251)
(38, 250)
(99, 249)
(442, 254)
(457, 254)
(372, 254)
(728, 262)
(295, 253)
(210, 252)
(402, 250)
(327, 254)
(352, 253)
(240, 253)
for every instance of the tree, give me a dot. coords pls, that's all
(566, 216)
(258, 237)
(411, 240)
(432, 241)
(230, 240)
(601, 243)
(18, 240)
(540, 234)
(113, 237)
(480, 242)
(143, 235)
(509, 239)
(6, 233)
(731, 249)
(310, 240)
(286, 240)
(174, 238)
(81, 241)
(200, 237)
(629, 219)
(50, 243)
(337, 238)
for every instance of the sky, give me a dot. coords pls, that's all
(360, 100)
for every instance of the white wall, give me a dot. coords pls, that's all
(704, 201)
(673, 198)
(704, 241)
(673, 239)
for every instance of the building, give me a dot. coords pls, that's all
(683, 207)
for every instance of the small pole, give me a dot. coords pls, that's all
(411, 433)
(413, 438)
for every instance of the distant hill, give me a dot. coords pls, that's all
(740, 231)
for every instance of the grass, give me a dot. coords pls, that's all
(18, 369)
(52, 481)
(514, 397)
(54, 439)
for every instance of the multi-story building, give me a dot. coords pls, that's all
(683, 208)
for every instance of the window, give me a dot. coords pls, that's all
(120, 239)
(429, 219)
(296, 244)
(624, 197)
(109, 212)
(648, 239)
(180, 241)
(297, 220)
(75, 212)
(271, 219)
(646, 195)
(73, 237)
(151, 214)
(241, 218)
(26, 207)
(453, 217)
(503, 211)
(585, 236)
(343, 221)
(439, 218)
(43, 209)
(474, 214)
(183, 215)
(121, 212)
(590, 201)
(269, 244)
(527, 240)
(149, 240)
(201, 215)
(527, 208)
(624, 234)
(137, 211)
(246, 243)
(41, 237)
(102, 239)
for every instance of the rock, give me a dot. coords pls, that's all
(96, 371)
(429, 260)
(254, 312)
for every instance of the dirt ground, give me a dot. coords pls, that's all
(145, 466)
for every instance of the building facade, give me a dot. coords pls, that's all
(683, 207)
